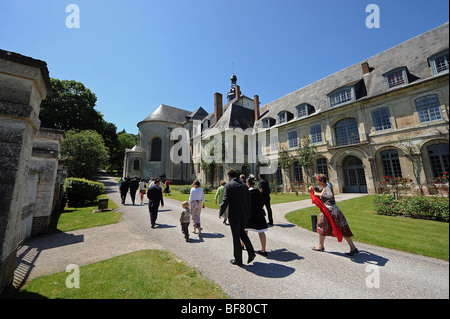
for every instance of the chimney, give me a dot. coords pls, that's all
(238, 92)
(218, 109)
(256, 107)
(365, 68)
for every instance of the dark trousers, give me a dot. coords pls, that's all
(185, 230)
(266, 202)
(238, 232)
(133, 194)
(123, 196)
(153, 215)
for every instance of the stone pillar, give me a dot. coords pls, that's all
(23, 84)
(44, 160)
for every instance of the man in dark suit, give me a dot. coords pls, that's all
(155, 196)
(236, 197)
(264, 188)
(134, 185)
(124, 186)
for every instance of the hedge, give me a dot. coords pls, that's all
(420, 207)
(80, 191)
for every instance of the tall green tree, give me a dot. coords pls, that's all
(84, 152)
(306, 152)
(70, 105)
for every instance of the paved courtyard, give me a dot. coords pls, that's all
(291, 270)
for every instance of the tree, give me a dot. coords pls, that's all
(84, 152)
(412, 153)
(70, 105)
(284, 160)
(306, 152)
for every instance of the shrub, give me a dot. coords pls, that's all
(384, 204)
(396, 185)
(440, 185)
(80, 191)
(207, 188)
(419, 207)
(185, 189)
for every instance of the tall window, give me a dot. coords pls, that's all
(322, 167)
(136, 165)
(293, 140)
(438, 155)
(155, 152)
(341, 96)
(316, 133)
(279, 176)
(391, 163)
(298, 174)
(381, 119)
(428, 108)
(347, 132)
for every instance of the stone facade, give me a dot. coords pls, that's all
(29, 157)
(360, 119)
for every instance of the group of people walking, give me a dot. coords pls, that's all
(241, 204)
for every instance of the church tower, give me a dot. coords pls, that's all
(232, 92)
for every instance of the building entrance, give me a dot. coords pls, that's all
(354, 176)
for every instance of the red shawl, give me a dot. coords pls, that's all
(336, 230)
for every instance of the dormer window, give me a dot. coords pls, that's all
(304, 110)
(342, 96)
(396, 78)
(268, 122)
(439, 63)
(282, 117)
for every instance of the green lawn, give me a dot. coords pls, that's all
(209, 198)
(74, 218)
(424, 237)
(146, 274)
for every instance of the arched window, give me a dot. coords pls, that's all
(347, 132)
(155, 150)
(439, 159)
(136, 165)
(391, 163)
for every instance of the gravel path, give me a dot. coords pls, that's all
(291, 270)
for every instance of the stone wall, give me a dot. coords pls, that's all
(23, 84)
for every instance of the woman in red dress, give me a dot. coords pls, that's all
(324, 225)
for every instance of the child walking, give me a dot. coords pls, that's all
(185, 219)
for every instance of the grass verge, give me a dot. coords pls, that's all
(74, 218)
(146, 274)
(424, 237)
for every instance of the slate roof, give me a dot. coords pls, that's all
(413, 54)
(167, 113)
(235, 116)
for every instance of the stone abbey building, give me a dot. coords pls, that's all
(360, 119)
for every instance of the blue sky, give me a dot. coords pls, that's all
(137, 54)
